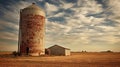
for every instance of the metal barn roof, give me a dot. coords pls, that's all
(59, 46)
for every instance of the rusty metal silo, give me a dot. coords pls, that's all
(31, 32)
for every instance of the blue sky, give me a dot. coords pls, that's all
(91, 25)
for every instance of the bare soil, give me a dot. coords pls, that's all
(75, 60)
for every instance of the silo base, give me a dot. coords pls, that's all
(36, 54)
(32, 54)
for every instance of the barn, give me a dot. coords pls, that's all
(59, 50)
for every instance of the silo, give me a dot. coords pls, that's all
(32, 31)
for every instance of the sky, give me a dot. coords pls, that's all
(88, 25)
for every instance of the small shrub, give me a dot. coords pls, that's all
(14, 53)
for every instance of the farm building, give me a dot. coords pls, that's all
(31, 31)
(59, 50)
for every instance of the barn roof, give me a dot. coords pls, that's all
(59, 46)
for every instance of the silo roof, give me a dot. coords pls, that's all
(34, 6)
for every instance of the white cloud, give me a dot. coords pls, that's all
(61, 14)
(50, 8)
(107, 28)
(56, 28)
(77, 29)
(108, 39)
(114, 8)
(77, 24)
(9, 24)
(65, 5)
(9, 36)
(40, 0)
(12, 13)
(88, 6)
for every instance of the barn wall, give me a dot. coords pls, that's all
(55, 50)
(67, 52)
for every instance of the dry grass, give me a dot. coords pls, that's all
(75, 60)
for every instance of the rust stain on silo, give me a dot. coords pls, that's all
(31, 34)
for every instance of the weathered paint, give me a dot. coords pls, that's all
(67, 52)
(31, 34)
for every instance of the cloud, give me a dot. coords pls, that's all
(32, 1)
(9, 24)
(65, 5)
(50, 9)
(9, 36)
(5, 46)
(12, 13)
(82, 27)
(80, 23)
(114, 9)
(61, 14)
(88, 6)
(40, 0)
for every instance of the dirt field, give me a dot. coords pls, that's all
(75, 60)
